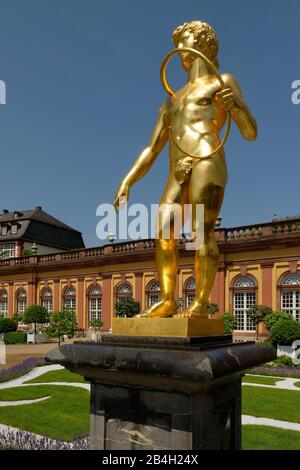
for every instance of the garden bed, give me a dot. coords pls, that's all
(276, 371)
(20, 369)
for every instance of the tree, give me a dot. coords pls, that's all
(229, 322)
(36, 314)
(7, 325)
(257, 314)
(62, 323)
(127, 307)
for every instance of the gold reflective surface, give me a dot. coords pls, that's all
(178, 327)
(195, 114)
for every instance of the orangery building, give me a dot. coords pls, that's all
(43, 261)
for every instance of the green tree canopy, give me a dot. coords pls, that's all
(257, 314)
(36, 314)
(62, 323)
(127, 307)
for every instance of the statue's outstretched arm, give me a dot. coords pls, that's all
(233, 101)
(146, 158)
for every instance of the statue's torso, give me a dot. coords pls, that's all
(196, 117)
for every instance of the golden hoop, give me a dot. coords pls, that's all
(171, 92)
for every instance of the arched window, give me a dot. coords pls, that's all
(153, 292)
(47, 299)
(290, 294)
(3, 303)
(95, 303)
(244, 296)
(21, 298)
(123, 290)
(189, 291)
(69, 298)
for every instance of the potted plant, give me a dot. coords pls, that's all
(97, 325)
(282, 335)
(30, 336)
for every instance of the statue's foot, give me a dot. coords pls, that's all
(162, 309)
(197, 309)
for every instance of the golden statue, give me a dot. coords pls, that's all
(191, 120)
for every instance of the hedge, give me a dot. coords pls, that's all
(15, 337)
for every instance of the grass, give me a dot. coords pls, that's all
(62, 375)
(260, 380)
(63, 416)
(297, 384)
(268, 438)
(274, 403)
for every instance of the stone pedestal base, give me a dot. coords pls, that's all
(163, 393)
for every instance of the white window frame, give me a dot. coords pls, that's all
(7, 250)
(241, 312)
(95, 308)
(294, 302)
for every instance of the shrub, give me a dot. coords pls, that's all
(285, 332)
(212, 308)
(127, 307)
(229, 322)
(274, 317)
(15, 337)
(96, 324)
(22, 368)
(284, 361)
(7, 324)
(36, 314)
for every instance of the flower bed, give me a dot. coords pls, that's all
(20, 369)
(22, 440)
(279, 371)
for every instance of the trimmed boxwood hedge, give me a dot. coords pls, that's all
(15, 337)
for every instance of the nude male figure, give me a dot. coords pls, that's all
(196, 115)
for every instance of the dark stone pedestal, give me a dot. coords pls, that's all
(164, 393)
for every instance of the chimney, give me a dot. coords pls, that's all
(39, 207)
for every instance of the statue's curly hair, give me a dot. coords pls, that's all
(203, 33)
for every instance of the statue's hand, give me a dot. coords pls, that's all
(121, 197)
(227, 99)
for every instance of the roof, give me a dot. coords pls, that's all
(36, 225)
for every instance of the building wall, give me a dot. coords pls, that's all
(265, 259)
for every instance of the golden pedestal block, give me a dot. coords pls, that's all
(184, 327)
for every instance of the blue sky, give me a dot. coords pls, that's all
(83, 91)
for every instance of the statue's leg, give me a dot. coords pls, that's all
(207, 187)
(166, 254)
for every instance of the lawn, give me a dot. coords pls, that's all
(268, 438)
(62, 375)
(297, 384)
(274, 403)
(63, 416)
(260, 380)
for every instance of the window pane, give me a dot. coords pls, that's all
(242, 301)
(153, 298)
(95, 309)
